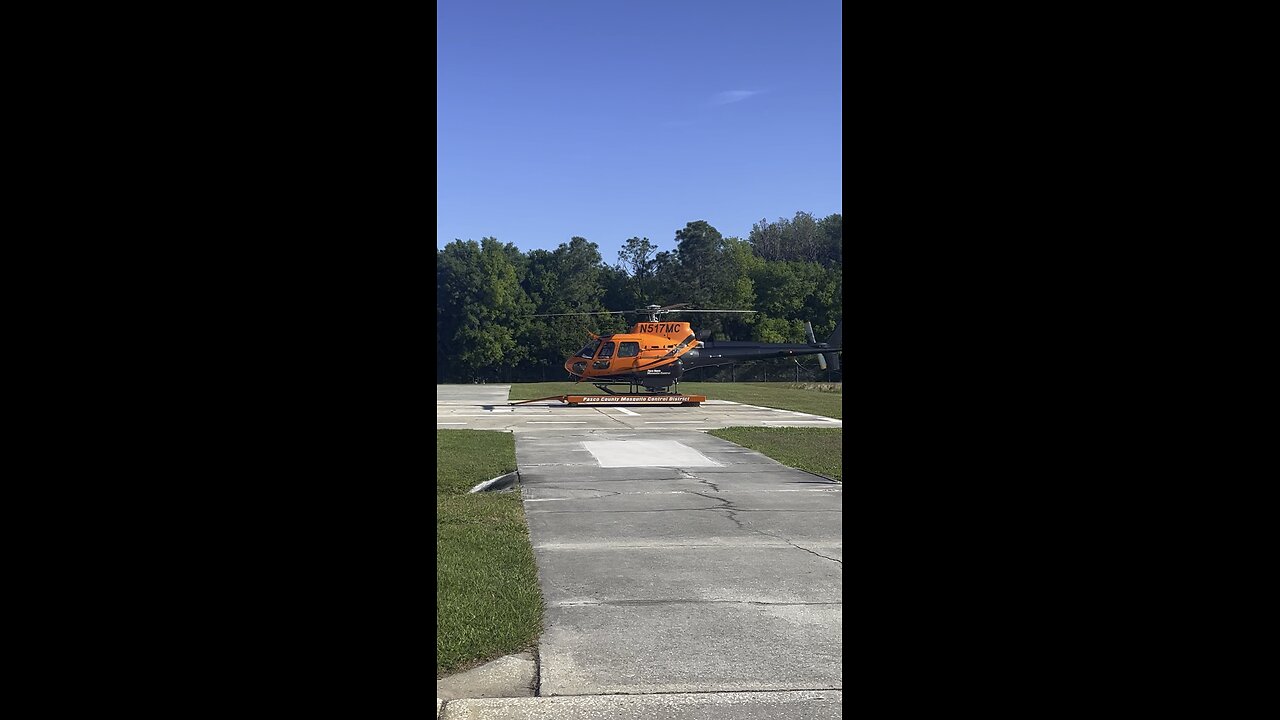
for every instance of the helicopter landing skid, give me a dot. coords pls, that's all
(638, 389)
(642, 399)
(615, 399)
(637, 395)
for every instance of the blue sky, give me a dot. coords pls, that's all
(610, 119)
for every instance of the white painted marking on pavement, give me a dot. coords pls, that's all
(628, 412)
(647, 453)
(687, 422)
(558, 422)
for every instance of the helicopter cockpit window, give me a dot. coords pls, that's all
(628, 349)
(603, 359)
(590, 349)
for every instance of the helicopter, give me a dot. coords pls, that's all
(657, 352)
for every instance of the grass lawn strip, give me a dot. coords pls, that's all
(817, 450)
(487, 599)
(806, 398)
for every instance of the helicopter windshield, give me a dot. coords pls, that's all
(590, 349)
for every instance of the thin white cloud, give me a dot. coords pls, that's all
(732, 96)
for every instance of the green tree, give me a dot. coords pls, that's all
(792, 292)
(736, 291)
(571, 279)
(619, 289)
(712, 273)
(637, 258)
(802, 238)
(833, 231)
(479, 309)
(698, 247)
(667, 287)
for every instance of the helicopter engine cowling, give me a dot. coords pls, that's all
(662, 376)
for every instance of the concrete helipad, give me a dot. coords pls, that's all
(683, 564)
(683, 576)
(484, 407)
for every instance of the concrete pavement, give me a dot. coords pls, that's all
(684, 576)
(484, 407)
(719, 576)
(709, 706)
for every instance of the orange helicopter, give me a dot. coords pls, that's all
(656, 353)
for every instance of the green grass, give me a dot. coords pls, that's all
(817, 398)
(487, 599)
(818, 450)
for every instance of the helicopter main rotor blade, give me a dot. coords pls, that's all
(604, 312)
(707, 311)
(677, 305)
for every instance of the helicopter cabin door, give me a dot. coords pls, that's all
(627, 356)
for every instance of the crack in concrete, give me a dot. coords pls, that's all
(732, 513)
(726, 505)
(615, 418)
(686, 475)
(606, 492)
(811, 552)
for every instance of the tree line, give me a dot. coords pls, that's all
(788, 270)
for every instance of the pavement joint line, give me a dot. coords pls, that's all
(696, 692)
(537, 672)
(684, 601)
(673, 492)
(561, 464)
(525, 429)
(729, 542)
(594, 511)
(597, 511)
(458, 414)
